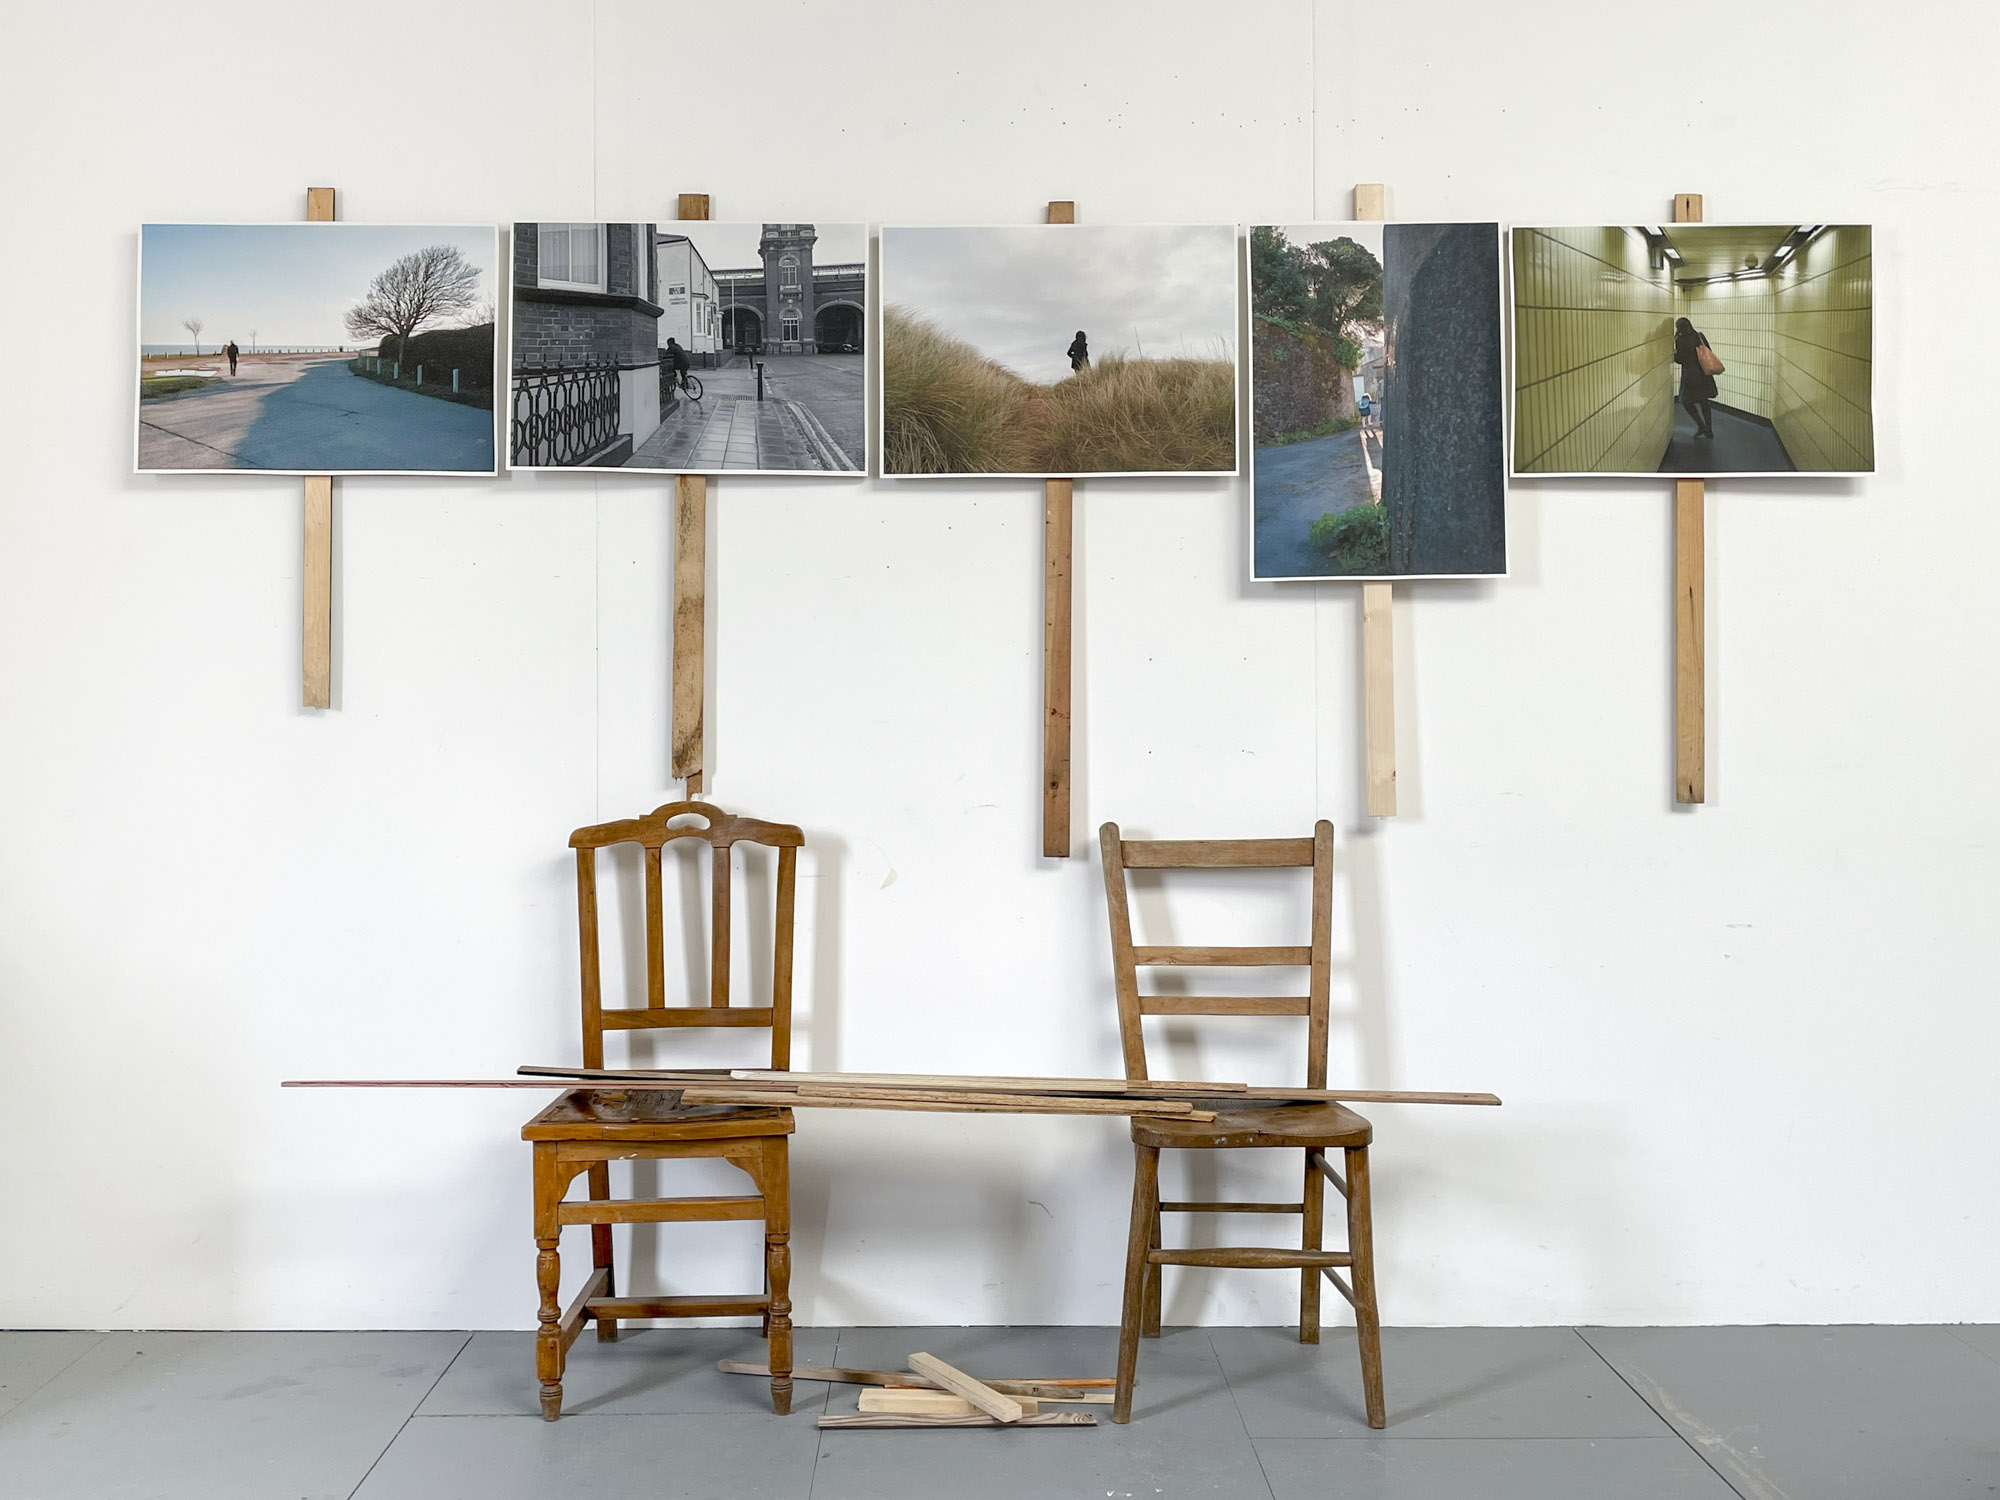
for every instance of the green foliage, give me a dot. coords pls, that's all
(1307, 434)
(1331, 287)
(1357, 539)
(169, 385)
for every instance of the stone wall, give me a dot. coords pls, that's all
(1295, 383)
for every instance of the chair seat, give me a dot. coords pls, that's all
(1237, 1125)
(651, 1115)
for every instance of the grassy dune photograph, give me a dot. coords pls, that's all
(1052, 350)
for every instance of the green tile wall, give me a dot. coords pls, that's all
(1593, 352)
(1822, 342)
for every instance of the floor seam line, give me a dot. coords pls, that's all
(1230, 1386)
(410, 1416)
(1950, 1328)
(57, 1375)
(1671, 1428)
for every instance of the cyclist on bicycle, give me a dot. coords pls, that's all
(677, 360)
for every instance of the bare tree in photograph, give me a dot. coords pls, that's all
(194, 326)
(422, 287)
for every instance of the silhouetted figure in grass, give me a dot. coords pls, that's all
(1697, 385)
(231, 352)
(1079, 353)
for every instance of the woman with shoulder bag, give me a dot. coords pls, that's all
(1699, 367)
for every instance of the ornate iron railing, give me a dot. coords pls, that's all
(564, 415)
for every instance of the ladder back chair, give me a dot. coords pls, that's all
(1319, 1129)
(584, 1132)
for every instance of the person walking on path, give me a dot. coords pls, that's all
(1697, 380)
(231, 352)
(1079, 353)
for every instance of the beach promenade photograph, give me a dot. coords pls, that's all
(316, 348)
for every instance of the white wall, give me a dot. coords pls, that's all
(1746, 1050)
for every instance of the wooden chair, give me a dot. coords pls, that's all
(1317, 1128)
(582, 1133)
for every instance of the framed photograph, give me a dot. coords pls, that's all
(689, 348)
(1377, 415)
(316, 348)
(1694, 349)
(1051, 350)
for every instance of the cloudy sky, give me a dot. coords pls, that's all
(1019, 294)
(733, 247)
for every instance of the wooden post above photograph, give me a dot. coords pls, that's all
(316, 562)
(1690, 578)
(1378, 628)
(690, 677)
(1058, 499)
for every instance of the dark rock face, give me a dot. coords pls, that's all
(1442, 476)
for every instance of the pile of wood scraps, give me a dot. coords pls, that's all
(932, 1393)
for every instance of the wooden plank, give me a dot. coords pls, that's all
(1047, 1387)
(1058, 517)
(910, 1401)
(659, 1210)
(1084, 1103)
(1012, 1104)
(1254, 1257)
(692, 206)
(1232, 1208)
(316, 562)
(1216, 854)
(994, 1403)
(1378, 632)
(678, 1307)
(884, 1419)
(690, 626)
(1225, 1005)
(1690, 606)
(687, 1015)
(992, 1083)
(1238, 958)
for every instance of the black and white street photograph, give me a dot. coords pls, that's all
(690, 347)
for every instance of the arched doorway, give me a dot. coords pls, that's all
(742, 329)
(837, 328)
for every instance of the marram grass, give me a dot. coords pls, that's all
(947, 409)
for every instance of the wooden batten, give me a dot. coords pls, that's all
(1690, 606)
(688, 746)
(1058, 527)
(995, 1404)
(316, 559)
(1378, 637)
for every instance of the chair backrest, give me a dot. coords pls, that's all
(721, 831)
(1315, 853)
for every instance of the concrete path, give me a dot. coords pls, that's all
(1740, 446)
(1294, 486)
(808, 422)
(311, 415)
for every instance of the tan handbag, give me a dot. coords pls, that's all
(1711, 363)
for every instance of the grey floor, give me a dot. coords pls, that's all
(1550, 1413)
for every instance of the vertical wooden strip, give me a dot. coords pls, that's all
(1057, 521)
(586, 927)
(1058, 506)
(1690, 582)
(781, 961)
(1378, 629)
(1320, 988)
(690, 690)
(690, 625)
(1690, 655)
(316, 561)
(316, 594)
(1124, 968)
(719, 863)
(656, 927)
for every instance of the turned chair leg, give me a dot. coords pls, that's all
(550, 1185)
(600, 1247)
(776, 1188)
(1149, 1326)
(1145, 1214)
(1310, 1238)
(1361, 1245)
